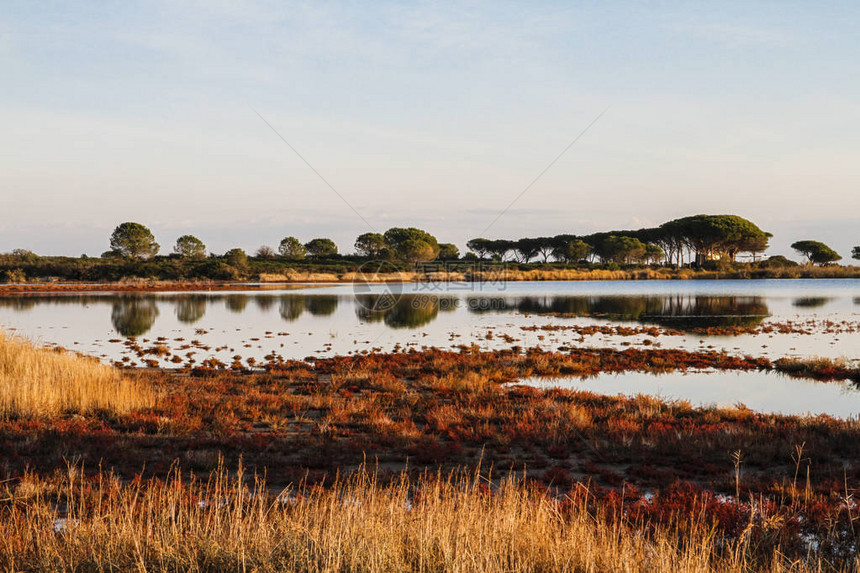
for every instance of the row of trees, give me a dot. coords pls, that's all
(411, 245)
(136, 241)
(407, 244)
(568, 249)
(697, 238)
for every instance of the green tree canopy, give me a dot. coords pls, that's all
(411, 245)
(527, 249)
(321, 247)
(621, 249)
(291, 248)
(499, 248)
(480, 246)
(712, 235)
(569, 249)
(816, 252)
(236, 258)
(653, 254)
(370, 244)
(190, 247)
(25, 255)
(855, 253)
(546, 247)
(448, 252)
(133, 240)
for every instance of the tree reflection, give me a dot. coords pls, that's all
(710, 311)
(190, 308)
(811, 301)
(677, 311)
(292, 306)
(17, 303)
(236, 302)
(264, 301)
(372, 307)
(321, 305)
(133, 316)
(407, 311)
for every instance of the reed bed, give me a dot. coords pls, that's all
(427, 524)
(297, 276)
(46, 383)
(555, 274)
(380, 277)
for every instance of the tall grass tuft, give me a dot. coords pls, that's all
(429, 524)
(40, 382)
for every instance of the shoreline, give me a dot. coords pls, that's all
(303, 281)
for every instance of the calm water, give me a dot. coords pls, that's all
(760, 391)
(324, 320)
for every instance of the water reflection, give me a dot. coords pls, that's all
(677, 311)
(416, 310)
(760, 391)
(133, 316)
(19, 304)
(321, 305)
(811, 301)
(407, 311)
(292, 306)
(236, 302)
(191, 308)
(265, 301)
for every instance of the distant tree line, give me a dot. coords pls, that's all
(696, 239)
(689, 239)
(700, 239)
(411, 245)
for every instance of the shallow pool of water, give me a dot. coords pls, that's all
(757, 390)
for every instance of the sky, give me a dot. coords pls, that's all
(437, 115)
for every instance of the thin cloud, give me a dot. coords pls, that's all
(734, 35)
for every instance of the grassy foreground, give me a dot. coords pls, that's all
(40, 382)
(430, 524)
(97, 475)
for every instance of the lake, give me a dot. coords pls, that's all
(796, 318)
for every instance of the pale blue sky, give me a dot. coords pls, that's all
(424, 114)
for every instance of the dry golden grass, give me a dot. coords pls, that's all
(508, 274)
(431, 524)
(380, 277)
(307, 277)
(42, 382)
